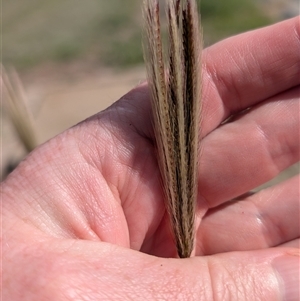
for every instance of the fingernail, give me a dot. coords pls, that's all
(288, 271)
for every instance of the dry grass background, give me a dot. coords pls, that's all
(75, 59)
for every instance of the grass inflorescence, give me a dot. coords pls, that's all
(176, 104)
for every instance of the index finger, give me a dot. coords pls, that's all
(248, 68)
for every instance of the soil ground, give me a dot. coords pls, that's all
(61, 97)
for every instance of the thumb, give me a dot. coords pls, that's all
(84, 270)
(264, 275)
(271, 274)
(287, 267)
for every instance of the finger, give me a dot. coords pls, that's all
(238, 73)
(101, 271)
(253, 149)
(295, 243)
(248, 68)
(262, 220)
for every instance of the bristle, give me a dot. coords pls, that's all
(176, 109)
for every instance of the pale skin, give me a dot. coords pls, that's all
(84, 216)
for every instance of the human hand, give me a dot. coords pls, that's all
(84, 216)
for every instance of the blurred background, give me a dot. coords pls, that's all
(74, 57)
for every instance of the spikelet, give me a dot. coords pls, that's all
(176, 106)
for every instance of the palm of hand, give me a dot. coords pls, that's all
(99, 181)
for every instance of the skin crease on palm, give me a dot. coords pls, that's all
(84, 215)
